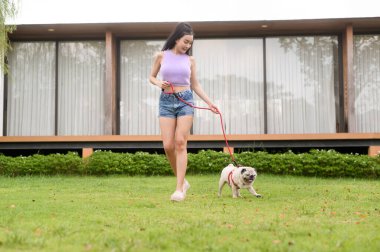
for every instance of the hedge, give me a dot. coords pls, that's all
(317, 163)
(53, 164)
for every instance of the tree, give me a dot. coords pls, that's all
(7, 11)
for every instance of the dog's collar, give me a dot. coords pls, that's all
(231, 180)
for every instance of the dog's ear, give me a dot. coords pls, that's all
(243, 170)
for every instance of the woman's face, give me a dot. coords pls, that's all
(183, 44)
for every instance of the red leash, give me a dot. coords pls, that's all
(218, 112)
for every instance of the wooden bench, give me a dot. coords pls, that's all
(252, 141)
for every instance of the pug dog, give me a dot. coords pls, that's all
(237, 178)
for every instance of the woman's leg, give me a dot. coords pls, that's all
(182, 133)
(168, 126)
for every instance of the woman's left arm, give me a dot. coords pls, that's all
(198, 88)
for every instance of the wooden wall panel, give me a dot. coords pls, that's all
(110, 86)
(348, 75)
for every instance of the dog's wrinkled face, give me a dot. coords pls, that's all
(248, 174)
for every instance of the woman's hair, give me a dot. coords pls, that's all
(181, 30)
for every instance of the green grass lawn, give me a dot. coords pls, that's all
(135, 214)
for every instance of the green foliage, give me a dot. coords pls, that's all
(140, 163)
(319, 163)
(7, 10)
(207, 161)
(316, 163)
(53, 164)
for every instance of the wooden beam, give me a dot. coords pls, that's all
(348, 77)
(202, 29)
(110, 85)
(205, 138)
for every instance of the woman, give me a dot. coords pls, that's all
(178, 69)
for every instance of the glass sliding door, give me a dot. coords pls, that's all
(31, 89)
(301, 80)
(138, 98)
(366, 90)
(81, 81)
(231, 73)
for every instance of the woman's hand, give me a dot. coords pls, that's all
(214, 108)
(164, 84)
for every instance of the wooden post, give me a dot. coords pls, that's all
(373, 151)
(86, 152)
(225, 150)
(110, 88)
(348, 77)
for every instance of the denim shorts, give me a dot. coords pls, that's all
(170, 106)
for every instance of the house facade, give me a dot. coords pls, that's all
(293, 78)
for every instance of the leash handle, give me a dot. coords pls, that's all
(217, 112)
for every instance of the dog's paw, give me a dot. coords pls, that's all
(259, 196)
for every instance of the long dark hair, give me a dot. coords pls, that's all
(180, 30)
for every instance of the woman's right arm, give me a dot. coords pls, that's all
(154, 72)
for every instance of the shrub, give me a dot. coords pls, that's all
(318, 163)
(141, 163)
(52, 164)
(207, 161)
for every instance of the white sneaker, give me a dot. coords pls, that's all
(186, 186)
(177, 196)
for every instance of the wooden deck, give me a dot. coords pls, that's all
(153, 138)
(252, 141)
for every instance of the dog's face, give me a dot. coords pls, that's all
(248, 174)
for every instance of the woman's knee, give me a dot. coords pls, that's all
(180, 144)
(169, 146)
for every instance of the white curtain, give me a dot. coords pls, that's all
(300, 84)
(81, 83)
(31, 89)
(231, 73)
(138, 98)
(366, 107)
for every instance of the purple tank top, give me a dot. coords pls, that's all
(176, 68)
